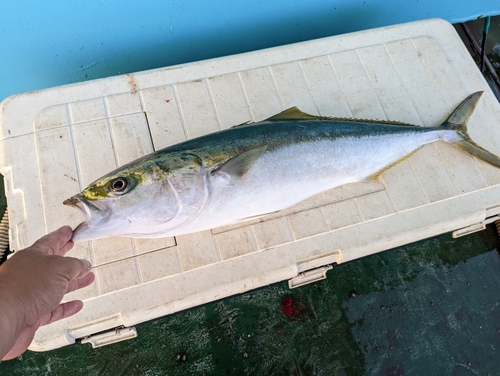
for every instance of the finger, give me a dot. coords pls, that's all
(63, 235)
(66, 248)
(57, 242)
(80, 283)
(73, 268)
(62, 311)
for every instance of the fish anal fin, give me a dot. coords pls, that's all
(376, 176)
(238, 166)
(242, 124)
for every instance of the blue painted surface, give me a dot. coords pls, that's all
(54, 42)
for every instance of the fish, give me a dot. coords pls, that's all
(253, 169)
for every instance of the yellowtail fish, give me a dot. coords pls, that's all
(249, 170)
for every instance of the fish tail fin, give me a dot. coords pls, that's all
(457, 121)
(460, 116)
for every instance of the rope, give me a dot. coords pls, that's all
(483, 42)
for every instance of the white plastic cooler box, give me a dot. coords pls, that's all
(54, 142)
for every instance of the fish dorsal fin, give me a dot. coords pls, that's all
(238, 166)
(293, 113)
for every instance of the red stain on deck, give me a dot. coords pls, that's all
(290, 308)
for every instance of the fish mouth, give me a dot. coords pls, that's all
(97, 217)
(85, 206)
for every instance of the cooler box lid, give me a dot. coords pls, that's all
(54, 142)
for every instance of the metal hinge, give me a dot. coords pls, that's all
(492, 215)
(314, 269)
(112, 336)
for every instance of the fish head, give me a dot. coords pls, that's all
(106, 205)
(98, 218)
(146, 198)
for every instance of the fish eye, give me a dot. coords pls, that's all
(119, 185)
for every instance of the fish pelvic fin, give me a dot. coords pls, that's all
(457, 121)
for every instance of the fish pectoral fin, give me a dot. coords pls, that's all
(238, 166)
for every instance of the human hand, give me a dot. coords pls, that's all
(32, 284)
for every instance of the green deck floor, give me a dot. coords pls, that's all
(430, 308)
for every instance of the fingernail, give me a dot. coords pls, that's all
(87, 263)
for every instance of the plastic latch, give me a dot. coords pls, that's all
(314, 269)
(475, 227)
(15, 199)
(310, 276)
(112, 336)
